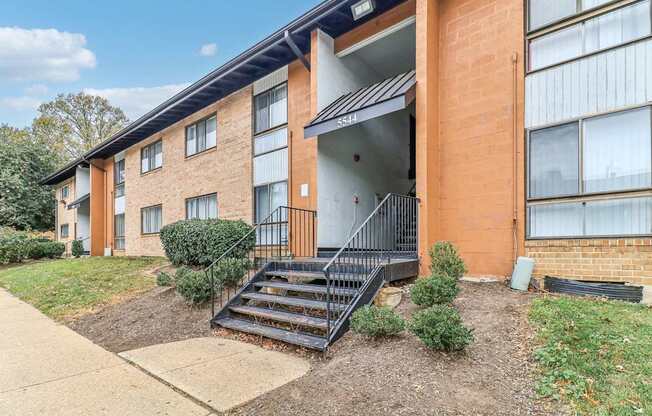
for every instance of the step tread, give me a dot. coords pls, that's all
(308, 341)
(295, 287)
(288, 301)
(316, 275)
(281, 316)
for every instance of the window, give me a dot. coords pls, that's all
(119, 232)
(267, 199)
(544, 12)
(64, 231)
(201, 136)
(151, 157)
(270, 109)
(151, 219)
(119, 178)
(65, 192)
(202, 207)
(610, 29)
(593, 163)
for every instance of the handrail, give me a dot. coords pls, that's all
(390, 230)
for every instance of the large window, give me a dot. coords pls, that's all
(202, 207)
(544, 12)
(201, 136)
(267, 199)
(119, 178)
(270, 109)
(581, 176)
(119, 232)
(151, 219)
(605, 31)
(64, 231)
(151, 157)
(65, 191)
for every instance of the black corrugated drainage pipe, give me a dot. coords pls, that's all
(614, 291)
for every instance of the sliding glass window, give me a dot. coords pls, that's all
(201, 136)
(151, 157)
(151, 219)
(598, 33)
(202, 207)
(592, 177)
(545, 12)
(270, 109)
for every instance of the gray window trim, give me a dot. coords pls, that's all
(142, 210)
(203, 196)
(150, 146)
(185, 134)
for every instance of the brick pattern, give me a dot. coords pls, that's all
(225, 170)
(607, 260)
(65, 215)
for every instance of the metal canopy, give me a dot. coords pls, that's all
(392, 94)
(77, 202)
(332, 16)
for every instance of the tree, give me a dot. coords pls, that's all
(72, 124)
(24, 203)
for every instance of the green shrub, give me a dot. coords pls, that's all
(230, 271)
(200, 242)
(444, 260)
(14, 246)
(193, 285)
(77, 248)
(434, 290)
(164, 279)
(42, 249)
(376, 322)
(440, 327)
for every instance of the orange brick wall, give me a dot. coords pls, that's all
(612, 260)
(477, 40)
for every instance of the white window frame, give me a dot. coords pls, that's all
(65, 194)
(149, 148)
(67, 227)
(194, 126)
(145, 211)
(194, 198)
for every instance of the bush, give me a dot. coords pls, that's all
(444, 260)
(193, 285)
(434, 290)
(200, 242)
(164, 279)
(440, 327)
(376, 322)
(230, 271)
(77, 248)
(43, 249)
(14, 246)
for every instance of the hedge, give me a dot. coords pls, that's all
(16, 246)
(198, 243)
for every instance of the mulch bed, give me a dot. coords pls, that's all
(364, 377)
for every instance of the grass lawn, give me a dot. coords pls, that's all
(594, 355)
(69, 287)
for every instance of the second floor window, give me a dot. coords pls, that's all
(151, 219)
(65, 191)
(202, 207)
(201, 136)
(64, 231)
(270, 109)
(151, 157)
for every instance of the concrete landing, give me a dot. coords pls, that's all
(219, 372)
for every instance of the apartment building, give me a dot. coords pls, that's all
(522, 127)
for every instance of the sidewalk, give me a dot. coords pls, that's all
(48, 369)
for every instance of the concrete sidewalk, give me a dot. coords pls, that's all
(48, 369)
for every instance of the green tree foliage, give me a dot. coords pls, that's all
(24, 203)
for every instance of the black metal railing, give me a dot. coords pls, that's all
(287, 233)
(390, 231)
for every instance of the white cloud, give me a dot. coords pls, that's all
(209, 49)
(138, 100)
(20, 103)
(36, 90)
(43, 54)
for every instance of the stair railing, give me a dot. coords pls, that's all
(390, 231)
(286, 233)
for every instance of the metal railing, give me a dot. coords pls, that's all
(286, 234)
(390, 231)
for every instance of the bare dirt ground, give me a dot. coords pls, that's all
(364, 377)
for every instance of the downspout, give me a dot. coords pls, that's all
(515, 153)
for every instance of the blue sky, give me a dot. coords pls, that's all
(135, 53)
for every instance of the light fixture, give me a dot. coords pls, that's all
(362, 8)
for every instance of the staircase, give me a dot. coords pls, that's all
(290, 295)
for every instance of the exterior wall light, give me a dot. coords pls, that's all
(362, 8)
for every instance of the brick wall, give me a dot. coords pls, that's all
(225, 170)
(610, 260)
(65, 215)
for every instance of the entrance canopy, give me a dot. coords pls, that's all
(77, 202)
(393, 94)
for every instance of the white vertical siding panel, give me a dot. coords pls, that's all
(604, 82)
(271, 167)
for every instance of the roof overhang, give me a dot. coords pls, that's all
(77, 202)
(393, 94)
(332, 16)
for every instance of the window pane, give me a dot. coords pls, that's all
(278, 107)
(556, 220)
(261, 203)
(201, 136)
(211, 132)
(158, 152)
(261, 112)
(271, 141)
(590, 4)
(554, 161)
(119, 173)
(191, 144)
(619, 217)
(119, 190)
(212, 206)
(119, 231)
(617, 27)
(144, 160)
(617, 152)
(556, 47)
(543, 12)
(636, 21)
(152, 220)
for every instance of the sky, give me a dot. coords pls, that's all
(135, 53)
